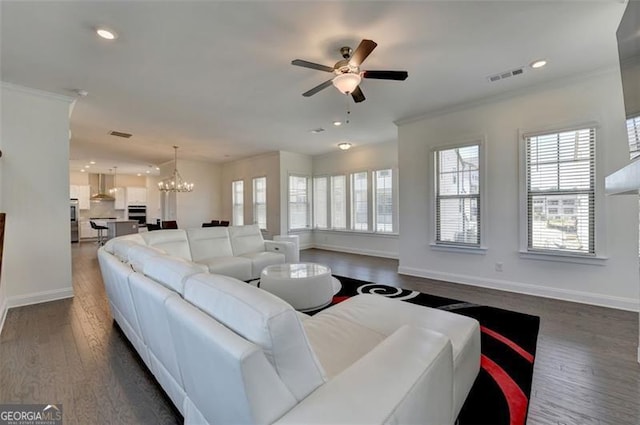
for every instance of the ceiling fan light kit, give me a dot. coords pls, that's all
(348, 75)
(346, 83)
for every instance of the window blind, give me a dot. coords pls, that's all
(633, 131)
(260, 202)
(458, 195)
(320, 195)
(298, 202)
(359, 203)
(561, 191)
(237, 194)
(339, 202)
(383, 202)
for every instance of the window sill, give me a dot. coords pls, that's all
(296, 231)
(477, 250)
(596, 260)
(358, 232)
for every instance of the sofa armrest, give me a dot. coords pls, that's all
(291, 254)
(406, 379)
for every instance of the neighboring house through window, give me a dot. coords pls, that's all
(560, 170)
(457, 195)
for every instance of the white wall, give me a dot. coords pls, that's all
(193, 208)
(363, 158)
(35, 195)
(591, 98)
(299, 164)
(268, 166)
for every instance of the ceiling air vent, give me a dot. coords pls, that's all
(120, 134)
(506, 74)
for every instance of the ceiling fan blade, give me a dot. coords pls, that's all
(363, 50)
(317, 88)
(357, 95)
(306, 64)
(386, 75)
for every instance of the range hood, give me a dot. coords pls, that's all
(100, 193)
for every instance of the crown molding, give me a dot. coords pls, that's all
(37, 92)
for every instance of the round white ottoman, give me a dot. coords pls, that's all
(306, 286)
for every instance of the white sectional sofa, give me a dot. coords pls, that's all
(236, 251)
(227, 352)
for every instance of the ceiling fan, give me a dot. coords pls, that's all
(348, 73)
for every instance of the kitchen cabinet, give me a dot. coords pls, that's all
(120, 197)
(82, 192)
(136, 195)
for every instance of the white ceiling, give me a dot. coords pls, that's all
(215, 77)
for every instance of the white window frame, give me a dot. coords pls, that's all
(308, 204)
(327, 201)
(254, 203)
(234, 204)
(374, 200)
(346, 203)
(599, 258)
(351, 200)
(480, 248)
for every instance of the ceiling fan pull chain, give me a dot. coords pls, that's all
(348, 110)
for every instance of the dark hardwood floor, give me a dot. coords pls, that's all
(70, 352)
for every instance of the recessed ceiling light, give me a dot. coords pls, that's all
(92, 162)
(344, 145)
(139, 174)
(105, 33)
(87, 166)
(148, 172)
(538, 64)
(82, 170)
(157, 168)
(337, 123)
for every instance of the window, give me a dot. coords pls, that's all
(560, 170)
(338, 202)
(320, 194)
(237, 202)
(458, 195)
(383, 201)
(633, 131)
(298, 202)
(260, 202)
(359, 206)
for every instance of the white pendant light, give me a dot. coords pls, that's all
(175, 182)
(347, 83)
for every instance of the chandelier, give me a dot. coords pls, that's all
(175, 182)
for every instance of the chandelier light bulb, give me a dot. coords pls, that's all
(175, 183)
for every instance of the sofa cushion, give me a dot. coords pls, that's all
(265, 320)
(385, 315)
(121, 249)
(135, 237)
(260, 260)
(174, 242)
(138, 256)
(339, 343)
(246, 239)
(209, 242)
(238, 267)
(171, 272)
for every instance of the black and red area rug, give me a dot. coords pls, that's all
(500, 395)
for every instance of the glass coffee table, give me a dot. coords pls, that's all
(306, 286)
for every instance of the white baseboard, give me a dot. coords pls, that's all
(307, 245)
(3, 313)
(620, 303)
(349, 250)
(39, 297)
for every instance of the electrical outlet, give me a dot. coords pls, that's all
(499, 267)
